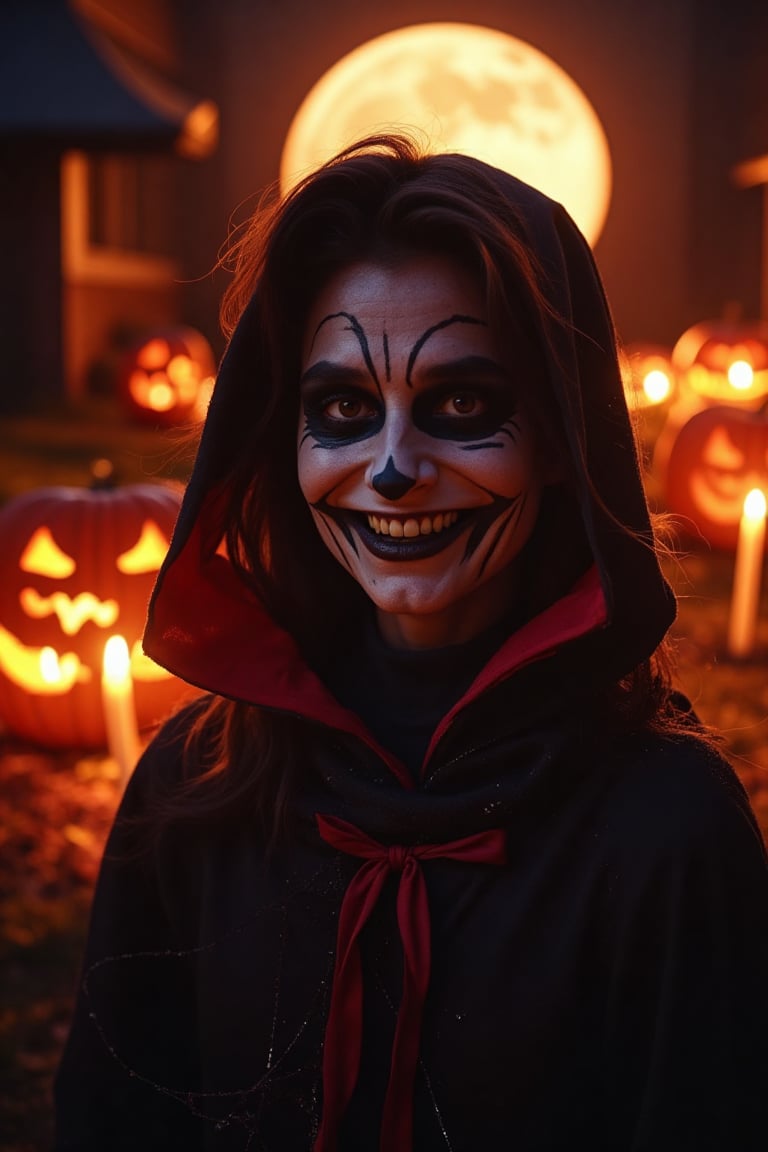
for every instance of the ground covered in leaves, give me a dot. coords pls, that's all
(55, 811)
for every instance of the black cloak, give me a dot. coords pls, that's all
(553, 937)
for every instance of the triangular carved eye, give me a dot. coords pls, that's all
(147, 553)
(721, 452)
(43, 557)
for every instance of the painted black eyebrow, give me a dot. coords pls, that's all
(479, 368)
(362, 339)
(457, 318)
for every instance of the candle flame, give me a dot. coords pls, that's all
(741, 375)
(49, 665)
(755, 505)
(657, 385)
(117, 661)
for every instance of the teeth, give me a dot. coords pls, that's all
(411, 527)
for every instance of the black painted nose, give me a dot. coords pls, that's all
(392, 484)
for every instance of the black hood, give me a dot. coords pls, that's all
(207, 627)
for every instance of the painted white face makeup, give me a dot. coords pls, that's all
(419, 468)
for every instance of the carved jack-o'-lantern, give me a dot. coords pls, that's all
(167, 377)
(717, 458)
(725, 360)
(77, 565)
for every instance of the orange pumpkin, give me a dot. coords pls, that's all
(725, 360)
(77, 565)
(717, 457)
(166, 378)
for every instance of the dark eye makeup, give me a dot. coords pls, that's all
(341, 414)
(472, 412)
(449, 411)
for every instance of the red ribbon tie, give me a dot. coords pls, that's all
(343, 1032)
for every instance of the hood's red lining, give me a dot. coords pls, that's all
(199, 622)
(581, 611)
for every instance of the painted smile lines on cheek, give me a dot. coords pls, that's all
(417, 537)
(503, 513)
(509, 428)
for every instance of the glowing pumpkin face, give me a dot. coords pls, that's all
(167, 378)
(718, 456)
(76, 566)
(725, 361)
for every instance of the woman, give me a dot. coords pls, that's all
(442, 863)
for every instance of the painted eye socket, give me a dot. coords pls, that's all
(340, 416)
(470, 413)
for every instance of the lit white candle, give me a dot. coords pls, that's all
(745, 598)
(119, 707)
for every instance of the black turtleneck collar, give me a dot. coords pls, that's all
(401, 694)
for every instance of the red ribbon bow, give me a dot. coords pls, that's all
(343, 1032)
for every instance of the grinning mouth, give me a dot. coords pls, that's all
(409, 527)
(409, 537)
(415, 537)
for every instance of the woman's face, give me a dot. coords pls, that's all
(413, 454)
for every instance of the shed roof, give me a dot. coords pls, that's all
(65, 83)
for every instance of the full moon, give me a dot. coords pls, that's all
(462, 88)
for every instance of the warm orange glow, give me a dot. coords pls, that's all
(718, 485)
(117, 661)
(724, 360)
(163, 375)
(147, 553)
(203, 397)
(72, 612)
(719, 451)
(145, 669)
(151, 391)
(468, 89)
(718, 457)
(740, 375)
(648, 375)
(154, 354)
(119, 705)
(184, 374)
(755, 505)
(57, 614)
(741, 386)
(43, 557)
(177, 383)
(747, 576)
(39, 670)
(160, 396)
(43, 671)
(49, 665)
(657, 386)
(200, 131)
